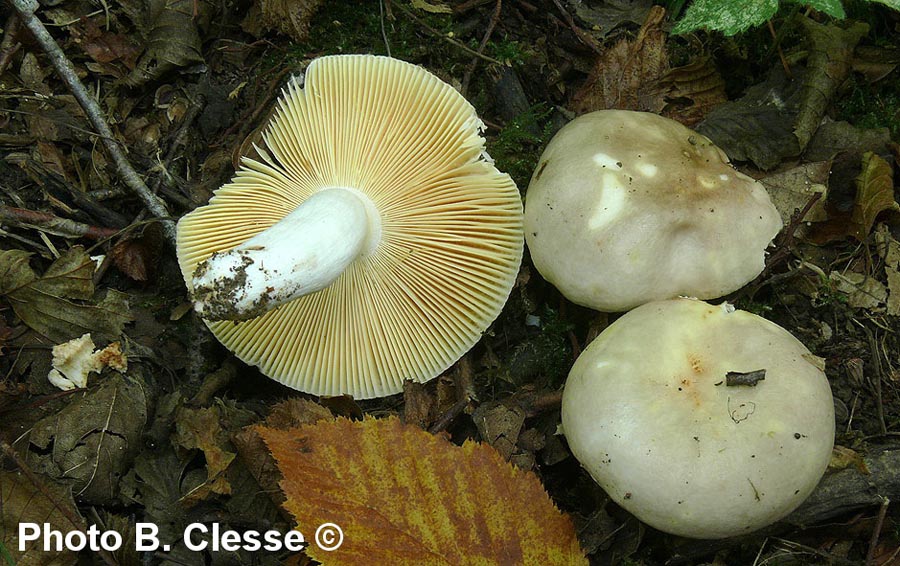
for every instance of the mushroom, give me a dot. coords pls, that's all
(630, 207)
(703, 421)
(373, 241)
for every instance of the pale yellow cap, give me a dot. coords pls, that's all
(451, 229)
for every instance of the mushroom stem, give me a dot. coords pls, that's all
(302, 253)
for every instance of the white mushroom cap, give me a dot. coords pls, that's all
(649, 414)
(629, 207)
(373, 242)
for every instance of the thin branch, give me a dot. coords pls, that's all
(876, 532)
(579, 33)
(435, 32)
(495, 17)
(25, 10)
(381, 11)
(53, 224)
(9, 45)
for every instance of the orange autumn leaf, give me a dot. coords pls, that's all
(404, 496)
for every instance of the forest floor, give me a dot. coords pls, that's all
(187, 86)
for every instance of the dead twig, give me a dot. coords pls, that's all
(784, 245)
(449, 416)
(876, 532)
(495, 17)
(466, 6)
(165, 179)
(9, 45)
(382, 8)
(534, 402)
(579, 33)
(777, 44)
(248, 122)
(879, 376)
(785, 241)
(55, 225)
(450, 40)
(25, 10)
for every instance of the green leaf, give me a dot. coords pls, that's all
(833, 8)
(728, 17)
(895, 4)
(733, 17)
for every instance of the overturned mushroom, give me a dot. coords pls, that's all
(372, 243)
(629, 207)
(649, 412)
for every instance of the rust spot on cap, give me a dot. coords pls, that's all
(695, 363)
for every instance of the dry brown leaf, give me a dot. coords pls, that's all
(893, 284)
(828, 65)
(290, 17)
(874, 194)
(200, 428)
(404, 496)
(635, 75)
(419, 404)
(114, 53)
(170, 30)
(791, 190)
(23, 501)
(500, 425)
(58, 305)
(93, 441)
(287, 414)
(625, 75)
(843, 457)
(138, 257)
(692, 90)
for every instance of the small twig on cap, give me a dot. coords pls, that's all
(25, 10)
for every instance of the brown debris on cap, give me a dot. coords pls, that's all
(451, 229)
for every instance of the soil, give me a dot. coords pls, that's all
(186, 115)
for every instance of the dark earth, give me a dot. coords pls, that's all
(186, 87)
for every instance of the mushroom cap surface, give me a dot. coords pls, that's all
(451, 229)
(647, 411)
(629, 207)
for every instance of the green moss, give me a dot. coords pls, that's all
(507, 50)
(518, 146)
(543, 356)
(872, 105)
(755, 307)
(341, 26)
